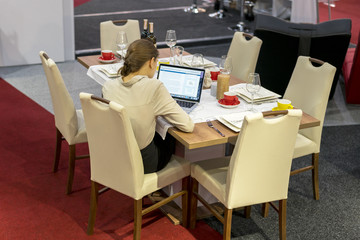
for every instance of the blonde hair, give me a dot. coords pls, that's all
(138, 53)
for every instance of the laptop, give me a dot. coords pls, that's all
(183, 83)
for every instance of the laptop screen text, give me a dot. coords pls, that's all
(183, 83)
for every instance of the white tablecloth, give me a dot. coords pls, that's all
(207, 109)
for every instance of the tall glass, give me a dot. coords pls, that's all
(122, 42)
(197, 61)
(170, 40)
(225, 64)
(253, 86)
(178, 52)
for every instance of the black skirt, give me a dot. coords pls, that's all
(158, 153)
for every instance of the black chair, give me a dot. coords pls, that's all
(284, 41)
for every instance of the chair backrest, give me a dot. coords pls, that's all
(284, 41)
(64, 110)
(260, 165)
(109, 31)
(309, 89)
(115, 158)
(244, 54)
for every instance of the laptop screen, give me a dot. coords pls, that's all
(182, 82)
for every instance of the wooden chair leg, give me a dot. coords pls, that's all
(57, 150)
(227, 224)
(193, 202)
(282, 219)
(247, 211)
(137, 219)
(265, 209)
(93, 207)
(315, 175)
(185, 202)
(71, 170)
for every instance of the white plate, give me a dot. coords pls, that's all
(107, 61)
(227, 124)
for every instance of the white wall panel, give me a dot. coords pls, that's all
(26, 27)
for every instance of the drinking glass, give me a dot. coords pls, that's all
(170, 40)
(122, 42)
(178, 52)
(253, 86)
(225, 64)
(197, 60)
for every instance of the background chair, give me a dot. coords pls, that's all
(109, 31)
(69, 122)
(116, 161)
(351, 73)
(257, 171)
(284, 41)
(244, 54)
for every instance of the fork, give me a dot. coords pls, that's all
(209, 123)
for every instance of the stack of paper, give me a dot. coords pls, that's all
(263, 95)
(233, 121)
(188, 58)
(111, 70)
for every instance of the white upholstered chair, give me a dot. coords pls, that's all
(109, 31)
(69, 122)
(309, 90)
(244, 54)
(115, 161)
(257, 171)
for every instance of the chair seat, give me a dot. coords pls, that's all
(175, 170)
(212, 175)
(303, 146)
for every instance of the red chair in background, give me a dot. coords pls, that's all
(351, 73)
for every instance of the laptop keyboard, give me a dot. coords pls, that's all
(185, 104)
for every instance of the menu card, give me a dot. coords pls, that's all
(261, 96)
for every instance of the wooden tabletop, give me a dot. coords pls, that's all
(203, 135)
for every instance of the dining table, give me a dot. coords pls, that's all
(203, 135)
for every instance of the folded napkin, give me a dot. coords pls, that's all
(111, 70)
(188, 58)
(233, 121)
(263, 95)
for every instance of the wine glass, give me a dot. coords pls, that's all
(170, 40)
(253, 86)
(197, 60)
(225, 64)
(122, 42)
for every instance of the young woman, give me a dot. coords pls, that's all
(145, 98)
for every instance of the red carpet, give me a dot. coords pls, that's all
(343, 9)
(33, 204)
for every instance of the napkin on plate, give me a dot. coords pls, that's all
(111, 70)
(188, 58)
(262, 96)
(233, 121)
